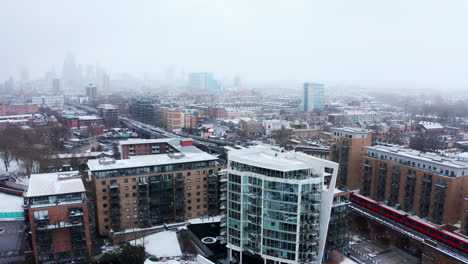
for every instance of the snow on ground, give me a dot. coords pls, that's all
(14, 166)
(207, 219)
(162, 244)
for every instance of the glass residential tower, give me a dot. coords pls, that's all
(277, 204)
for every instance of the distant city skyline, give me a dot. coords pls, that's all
(417, 44)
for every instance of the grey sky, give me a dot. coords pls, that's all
(406, 43)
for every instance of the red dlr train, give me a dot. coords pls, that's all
(413, 222)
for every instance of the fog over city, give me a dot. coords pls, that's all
(416, 44)
(234, 132)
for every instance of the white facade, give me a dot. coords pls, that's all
(53, 101)
(273, 125)
(277, 204)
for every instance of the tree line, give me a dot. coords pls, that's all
(31, 148)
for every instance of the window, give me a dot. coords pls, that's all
(189, 187)
(127, 210)
(204, 206)
(126, 188)
(189, 194)
(104, 190)
(104, 205)
(103, 183)
(198, 193)
(189, 180)
(127, 195)
(107, 227)
(198, 200)
(189, 201)
(135, 216)
(134, 194)
(198, 207)
(135, 208)
(188, 173)
(127, 202)
(134, 201)
(125, 180)
(198, 186)
(198, 179)
(133, 179)
(189, 208)
(128, 217)
(189, 215)
(104, 197)
(134, 187)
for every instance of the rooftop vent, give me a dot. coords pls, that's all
(176, 155)
(106, 161)
(64, 176)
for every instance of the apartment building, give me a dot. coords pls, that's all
(58, 215)
(142, 190)
(429, 185)
(276, 205)
(18, 109)
(138, 147)
(347, 149)
(110, 114)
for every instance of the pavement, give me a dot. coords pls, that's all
(369, 251)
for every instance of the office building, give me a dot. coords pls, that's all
(277, 204)
(52, 101)
(431, 186)
(56, 85)
(347, 149)
(59, 218)
(354, 118)
(143, 190)
(110, 114)
(203, 81)
(91, 92)
(313, 97)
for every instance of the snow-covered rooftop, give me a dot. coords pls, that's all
(269, 157)
(152, 160)
(10, 204)
(162, 244)
(54, 183)
(431, 125)
(456, 161)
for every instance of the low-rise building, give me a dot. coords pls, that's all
(91, 125)
(57, 211)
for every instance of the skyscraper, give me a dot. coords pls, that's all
(203, 81)
(91, 92)
(313, 97)
(56, 86)
(277, 204)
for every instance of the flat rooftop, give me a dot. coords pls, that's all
(351, 129)
(271, 158)
(54, 183)
(151, 160)
(454, 160)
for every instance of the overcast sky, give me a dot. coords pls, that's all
(406, 43)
